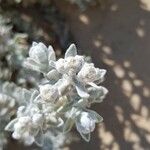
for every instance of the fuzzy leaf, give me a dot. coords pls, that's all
(10, 126)
(86, 137)
(52, 64)
(34, 95)
(33, 65)
(96, 116)
(81, 103)
(53, 75)
(81, 91)
(68, 125)
(97, 93)
(71, 51)
(39, 139)
(52, 55)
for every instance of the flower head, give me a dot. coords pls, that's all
(89, 73)
(49, 93)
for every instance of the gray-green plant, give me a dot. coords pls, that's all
(11, 96)
(62, 99)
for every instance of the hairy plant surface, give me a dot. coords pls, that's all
(62, 99)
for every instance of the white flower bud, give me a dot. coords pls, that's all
(86, 124)
(49, 93)
(73, 63)
(88, 73)
(70, 64)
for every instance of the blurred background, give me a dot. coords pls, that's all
(115, 34)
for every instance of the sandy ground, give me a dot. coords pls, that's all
(117, 37)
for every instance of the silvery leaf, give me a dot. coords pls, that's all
(68, 125)
(100, 75)
(34, 95)
(51, 55)
(31, 64)
(81, 103)
(10, 125)
(66, 107)
(39, 138)
(53, 75)
(60, 122)
(52, 63)
(95, 116)
(97, 93)
(71, 51)
(63, 85)
(82, 91)
(86, 137)
(39, 53)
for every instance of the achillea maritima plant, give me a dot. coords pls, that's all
(70, 85)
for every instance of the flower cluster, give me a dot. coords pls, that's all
(63, 99)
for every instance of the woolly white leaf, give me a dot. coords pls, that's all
(81, 91)
(33, 65)
(96, 116)
(10, 126)
(71, 51)
(53, 75)
(86, 137)
(51, 55)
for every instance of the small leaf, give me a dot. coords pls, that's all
(39, 138)
(60, 122)
(86, 137)
(96, 116)
(51, 52)
(52, 64)
(66, 107)
(31, 64)
(81, 91)
(100, 75)
(53, 75)
(81, 103)
(10, 126)
(68, 125)
(71, 51)
(34, 95)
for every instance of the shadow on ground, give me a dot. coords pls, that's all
(117, 36)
